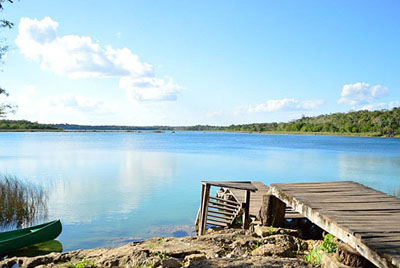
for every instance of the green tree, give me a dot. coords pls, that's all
(4, 108)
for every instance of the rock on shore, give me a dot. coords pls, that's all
(223, 248)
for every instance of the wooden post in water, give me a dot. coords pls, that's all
(246, 211)
(205, 194)
(272, 211)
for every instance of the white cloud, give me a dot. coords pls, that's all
(362, 93)
(380, 106)
(286, 105)
(79, 104)
(393, 104)
(150, 88)
(59, 108)
(374, 106)
(80, 57)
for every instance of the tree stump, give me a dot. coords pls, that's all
(350, 257)
(272, 211)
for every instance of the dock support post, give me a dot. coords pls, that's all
(272, 211)
(205, 194)
(246, 211)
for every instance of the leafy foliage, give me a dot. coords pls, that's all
(328, 246)
(4, 108)
(20, 202)
(374, 123)
(5, 23)
(82, 264)
(111, 128)
(24, 125)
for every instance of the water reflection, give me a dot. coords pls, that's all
(109, 188)
(85, 194)
(38, 249)
(376, 171)
(21, 203)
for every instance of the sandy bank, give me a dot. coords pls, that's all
(223, 248)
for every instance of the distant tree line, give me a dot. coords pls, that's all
(365, 123)
(25, 125)
(374, 123)
(110, 128)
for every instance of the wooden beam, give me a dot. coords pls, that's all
(330, 226)
(272, 211)
(205, 190)
(242, 185)
(246, 211)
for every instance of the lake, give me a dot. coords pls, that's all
(111, 188)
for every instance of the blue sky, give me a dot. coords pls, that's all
(199, 62)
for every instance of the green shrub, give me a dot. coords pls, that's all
(82, 264)
(20, 202)
(328, 246)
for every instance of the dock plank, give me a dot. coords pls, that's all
(256, 198)
(366, 219)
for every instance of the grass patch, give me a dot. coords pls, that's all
(328, 246)
(82, 264)
(20, 202)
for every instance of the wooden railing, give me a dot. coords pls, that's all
(221, 212)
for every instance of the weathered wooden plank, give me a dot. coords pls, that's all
(375, 222)
(386, 245)
(386, 213)
(224, 200)
(222, 204)
(222, 208)
(352, 199)
(317, 213)
(377, 240)
(246, 210)
(352, 206)
(218, 220)
(327, 183)
(256, 200)
(220, 212)
(232, 184)
(204, 207)
(272, 211)
(219, 216)
(216, 223)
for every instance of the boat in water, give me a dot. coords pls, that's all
(13, 240)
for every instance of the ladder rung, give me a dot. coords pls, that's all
(226, 205)
(220, 217)
(218, 220)
(223, 208)
(224, 200)
(222, 212)
(217, 223)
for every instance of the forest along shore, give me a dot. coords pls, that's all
(275, 247)
(384, 123)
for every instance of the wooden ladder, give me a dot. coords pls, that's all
(222, 212)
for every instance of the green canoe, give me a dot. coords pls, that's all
(13, 240)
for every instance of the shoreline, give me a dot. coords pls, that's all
(298, 133)
(263, 247)
(294, 133)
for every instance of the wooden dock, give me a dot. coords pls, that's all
(256, 198)
(222, 212)
(366, 219)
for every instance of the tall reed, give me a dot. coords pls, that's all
(21, 202)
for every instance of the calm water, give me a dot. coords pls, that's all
(109, 188)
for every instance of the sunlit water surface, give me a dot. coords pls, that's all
(110, 188)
